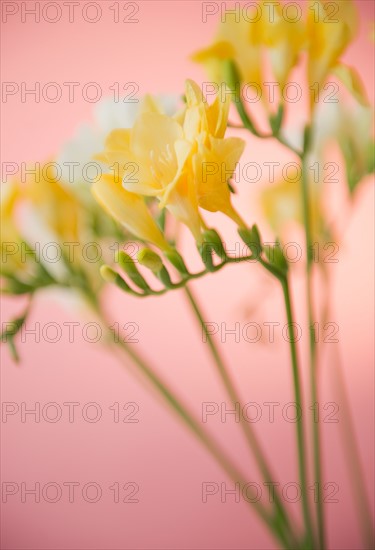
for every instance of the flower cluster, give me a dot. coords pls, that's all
(159, 159)
(246, 42)
(170, 158)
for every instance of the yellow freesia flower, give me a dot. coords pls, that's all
(128, 209)
(245, 41)
(9, 197)
(248, 42)
(238, 41)
(165, 157)
(327, 41)
(284, 40)
(55, 204)
(10, 239)
(214, 159)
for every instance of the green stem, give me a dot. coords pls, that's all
(299, 423)
(312, 348)
(249, 125)
(202, 435)
(249, 433)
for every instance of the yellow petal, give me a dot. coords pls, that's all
(129, 210)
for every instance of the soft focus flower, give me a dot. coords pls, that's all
(10, 239)
(245, 41)
(327, 41)
(53, 203)
(282, 206)
(249, 41)
(9, 196)
(90, 138)
(351, 127)
(168, 158)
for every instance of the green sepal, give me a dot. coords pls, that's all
(161, 219)
(252, 239)
(277, 120)
(205, 251)
(212, 238)
(164, 277)
(276, 257)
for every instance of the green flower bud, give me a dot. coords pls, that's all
(111, 276)
(276, 257)
(108, 274)
(127, 264)
(150, 259)
(176, 260)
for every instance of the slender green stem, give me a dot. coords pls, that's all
(312, 347)
(185, 279)
(249, 433)
(201, 434)
(299, 424)
(249, 125)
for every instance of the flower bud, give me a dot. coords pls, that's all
(108, 274)
(276, 257)
(150, 259)
(111, 276)
(127, 264)
(176, 260)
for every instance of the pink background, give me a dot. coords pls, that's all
(157, 453)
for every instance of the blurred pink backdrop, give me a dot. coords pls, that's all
(157, 453)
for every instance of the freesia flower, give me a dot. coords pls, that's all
(245, 41)
(327, 41)
(248, 41)
(165, 157)
(10, 239)
(214, 158)
(90, 138)
(53, 202)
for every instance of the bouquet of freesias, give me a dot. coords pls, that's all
(165, 161)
